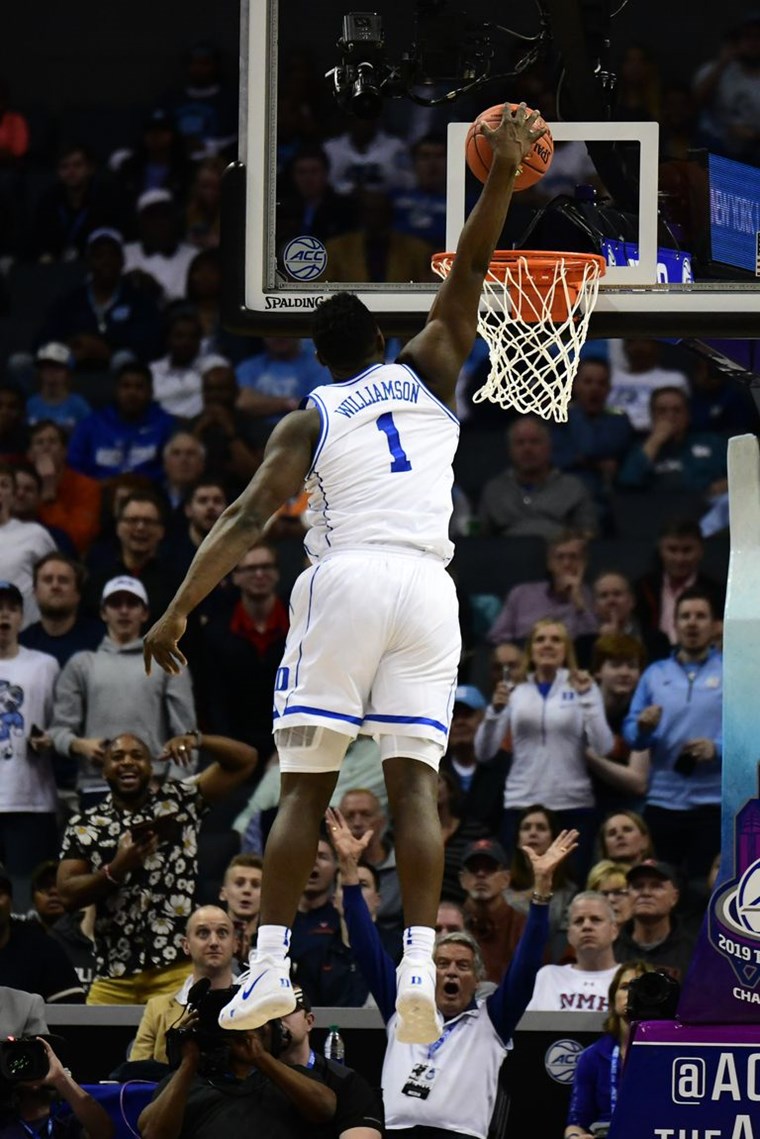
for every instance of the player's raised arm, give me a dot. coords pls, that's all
(439, 351)
(287, 460)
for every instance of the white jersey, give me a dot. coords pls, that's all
(381, 474)
(451, 1084)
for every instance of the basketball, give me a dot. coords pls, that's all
(479, 153)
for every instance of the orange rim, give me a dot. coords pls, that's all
(540, 263)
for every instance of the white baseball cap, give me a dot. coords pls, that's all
(54, 353)
(124, 585)
(154, 197)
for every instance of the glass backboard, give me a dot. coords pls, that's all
(683, 249)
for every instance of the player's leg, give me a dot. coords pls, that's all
(411, 703)
(310, 758)
(292, 843)
(413, 798)
(412, 785)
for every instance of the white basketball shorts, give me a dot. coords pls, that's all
(374, 646)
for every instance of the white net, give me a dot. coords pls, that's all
(534, 320)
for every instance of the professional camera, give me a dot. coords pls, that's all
(362, 73)
(449, 48)
(23, 1059)
(653, 996)
(213, 1041)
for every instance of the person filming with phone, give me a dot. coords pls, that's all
(134, 855)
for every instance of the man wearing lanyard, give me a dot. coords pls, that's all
(359, 1110)
(26, 1109)
(448, 1088)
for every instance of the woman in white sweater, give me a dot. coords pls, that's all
(553, 714)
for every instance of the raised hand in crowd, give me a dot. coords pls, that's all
(650, 718)
(581, 681)
(180, 748)
(544, 865)
(348, 849)
(90, 748)
(501, 694)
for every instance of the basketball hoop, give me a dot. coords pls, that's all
(535, 321)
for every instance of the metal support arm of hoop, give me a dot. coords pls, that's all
(534, 318)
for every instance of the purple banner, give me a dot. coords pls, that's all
(724, 979)
(690, 1082)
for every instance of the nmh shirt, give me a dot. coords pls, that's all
(381, 473)
(562, 988)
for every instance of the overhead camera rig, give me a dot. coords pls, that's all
(365, 76)
(452, 48)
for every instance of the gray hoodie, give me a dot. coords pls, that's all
(104, 693)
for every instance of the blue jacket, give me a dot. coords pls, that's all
(691, 697)
(591, 1100)
(104, 444)
(132, 321)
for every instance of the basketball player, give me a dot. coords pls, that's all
(374, 640)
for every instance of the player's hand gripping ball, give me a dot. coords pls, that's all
(480, 155)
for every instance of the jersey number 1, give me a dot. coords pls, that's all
(398, 454)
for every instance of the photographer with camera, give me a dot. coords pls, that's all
(32, 1081)
(209, 942)
(135, 856)
(232, 1083)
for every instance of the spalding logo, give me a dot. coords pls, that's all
(290, 301)
(560, 1060)
(305, 258)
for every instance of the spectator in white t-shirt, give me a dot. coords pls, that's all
(159, 253)
(28, 801)
(635, 375)
(584, 985)
(366, 157)
(22, 544)
(177, 379)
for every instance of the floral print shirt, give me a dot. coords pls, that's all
(141, 925)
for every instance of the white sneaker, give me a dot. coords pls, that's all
(265, 993)
(419, 1021)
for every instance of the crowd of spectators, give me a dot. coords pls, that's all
(590, 688)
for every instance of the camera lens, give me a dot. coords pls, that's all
(366, 101)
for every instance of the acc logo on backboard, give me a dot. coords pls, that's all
(305, 258)
(735, 924)
(561, 1058)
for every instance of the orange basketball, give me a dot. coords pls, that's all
(480, 155)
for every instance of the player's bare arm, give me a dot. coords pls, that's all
(439, 351)
(286, 463)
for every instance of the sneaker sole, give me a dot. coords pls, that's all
(418, 1022)
(252, 1014)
